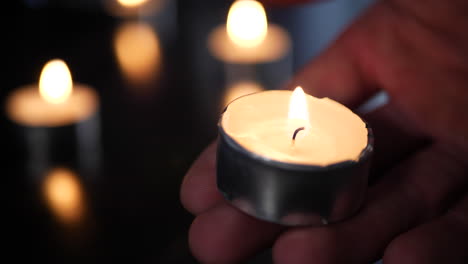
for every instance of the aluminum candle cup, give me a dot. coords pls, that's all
(288, 192)
(56, 122)
(75, 145)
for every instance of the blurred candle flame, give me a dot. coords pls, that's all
(247, 24)
(55, 83)
(137, 49)
(133, 8)
(131, 3)
(298, 115)
(64, 195)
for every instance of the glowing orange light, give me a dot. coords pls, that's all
(137, 49)
(131, 3)
(64, 195)
(247, 24)
(55, 83)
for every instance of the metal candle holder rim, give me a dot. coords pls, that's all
(363, 156)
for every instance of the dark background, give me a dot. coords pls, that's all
(148, 139)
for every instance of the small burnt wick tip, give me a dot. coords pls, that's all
(296, 132)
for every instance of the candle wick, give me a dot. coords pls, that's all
(296, 132)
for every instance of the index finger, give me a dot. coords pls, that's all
(198, 191)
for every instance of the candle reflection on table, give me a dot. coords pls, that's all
(138, 53)
(64, 196)
(239, 89)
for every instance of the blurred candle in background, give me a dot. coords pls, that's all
(131, 3)
(251, 48)
(133, 8)
(138, 53)
(247, 24)
(56, 101)
(247, 36)
(57, 121)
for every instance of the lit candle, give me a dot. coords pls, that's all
(247, 36)
(251, 48)
(292, 158)
(56, 101)
(57, 120)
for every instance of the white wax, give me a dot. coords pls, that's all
(259, 122)
(25, 106)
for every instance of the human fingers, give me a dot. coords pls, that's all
(198, 190)
(411, 194)
(444, 240)
(224, 234)
(390, 126)
(220, 233)
(200, 182)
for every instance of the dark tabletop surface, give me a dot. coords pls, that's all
(150, 134)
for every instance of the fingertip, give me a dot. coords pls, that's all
(403, 251)
(225, 235)
(197, 197)
(439, 241)
(185, 194)
(198, 191)
(306, 245)
(202, 243)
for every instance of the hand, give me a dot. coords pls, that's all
(417, 210)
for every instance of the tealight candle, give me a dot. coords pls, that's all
(247, 36)
(55, 102)
(52, 115)
(247, 39)
(293, 159)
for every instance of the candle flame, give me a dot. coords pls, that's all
(64, 195)
(298, 115)
(131, 3)
(298, 106)
(247, 24)
(55, 83)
